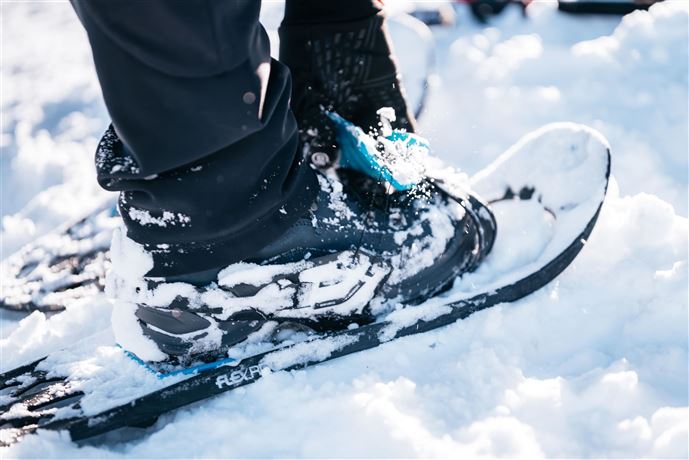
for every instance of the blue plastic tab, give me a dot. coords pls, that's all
(185, 371)
(358, 150)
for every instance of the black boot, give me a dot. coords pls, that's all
(348, 259)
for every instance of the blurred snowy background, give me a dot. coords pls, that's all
(594, 365)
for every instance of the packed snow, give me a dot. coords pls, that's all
(594, 365)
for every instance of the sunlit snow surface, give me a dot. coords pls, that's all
(595, 364)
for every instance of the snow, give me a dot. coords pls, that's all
(563, 153)
(130, 260)
(557, 161)
(168, 218)
(52, 117)
(253, 274)
(627, 79)
(126, 329)
(593, 365)
(397, 157)
(529, 227)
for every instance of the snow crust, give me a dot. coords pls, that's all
(126, 330)
(168, 218)
(593, 365)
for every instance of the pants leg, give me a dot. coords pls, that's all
(203, 146)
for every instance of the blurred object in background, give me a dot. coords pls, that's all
(434, 14)
(619, 7)
(482, 10)
(443, 13)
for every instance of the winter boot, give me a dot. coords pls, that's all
(353, 255)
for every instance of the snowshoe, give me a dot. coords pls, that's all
(64, 266)
(547, 192)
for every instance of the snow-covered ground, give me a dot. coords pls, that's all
(594, 365)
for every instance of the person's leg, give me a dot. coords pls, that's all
(204, 146)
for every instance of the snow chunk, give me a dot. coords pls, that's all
(144, 217)
(130, 260)
(254, 274)
(306, 351)
(125, 326)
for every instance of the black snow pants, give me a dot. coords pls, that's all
(213, 170)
